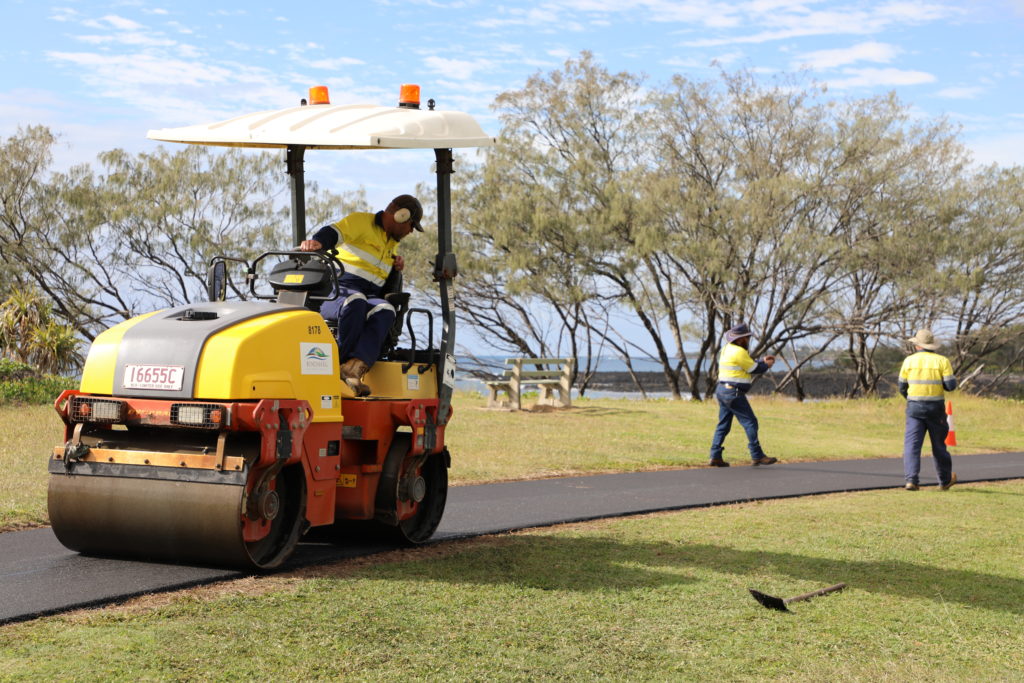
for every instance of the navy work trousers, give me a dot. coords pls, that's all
(926, 417)
(364, 319)
(733, 402)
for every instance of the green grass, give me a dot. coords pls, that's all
(605, 435)
(29, 435)
(935, 594)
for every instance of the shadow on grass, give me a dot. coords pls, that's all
(591, 564)
(599, 411)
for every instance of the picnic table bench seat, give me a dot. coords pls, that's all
(556, 380)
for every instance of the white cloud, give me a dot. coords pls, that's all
(703, 12)
(798, 20)
(121, 23)
(335, 64)
(728, 57)
(916, 12)
(862, 52)
(63, 14)
(1005, 150)
(112, 21)
(77, 142)
(140, 38)
(188, 51)
(459, 69)
(557, 15)
(961, 92)
(681, 63)
(466, 88)
(180, 28)
(141, 69)
(879, 78)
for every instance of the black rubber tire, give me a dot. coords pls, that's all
(289, 524)
(421, 526)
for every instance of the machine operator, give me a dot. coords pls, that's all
(366, 244)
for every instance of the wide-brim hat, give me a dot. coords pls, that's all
(737, 332)
(925, 339)
(407, 201)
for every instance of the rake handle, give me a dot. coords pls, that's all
(814, 594)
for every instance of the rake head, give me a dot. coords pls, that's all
(769, 601)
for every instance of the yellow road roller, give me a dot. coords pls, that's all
(219, 432)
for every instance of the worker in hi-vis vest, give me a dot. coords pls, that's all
(735, 373)
(366, 244)
(925, 378)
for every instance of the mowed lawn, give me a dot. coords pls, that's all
(604, 435)
(935, 593)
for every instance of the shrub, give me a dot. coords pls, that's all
(21, 383)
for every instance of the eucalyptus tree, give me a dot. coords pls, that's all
(746, 220)
(519, 294)
(977, 287)
(169, 213)
(47, 220)
(892, 193)
(105, 245)
(546, 223)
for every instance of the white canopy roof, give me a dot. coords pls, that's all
(326, 126)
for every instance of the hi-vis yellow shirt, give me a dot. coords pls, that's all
(927, 376)
(364, 249)
(735, 365)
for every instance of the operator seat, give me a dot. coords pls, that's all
(393, 294)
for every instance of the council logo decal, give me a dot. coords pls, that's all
(316, 353)
(316, 359)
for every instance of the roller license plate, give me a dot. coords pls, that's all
(158, 377)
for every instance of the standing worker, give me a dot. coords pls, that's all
(924, 379)
(735, 373)
(366, 244)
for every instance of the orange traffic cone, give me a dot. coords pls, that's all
(951, 436)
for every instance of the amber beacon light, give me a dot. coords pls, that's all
(318, 95)
(409, 96)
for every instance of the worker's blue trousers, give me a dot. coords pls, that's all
(926, 417)
(364, 319)
(732, 401)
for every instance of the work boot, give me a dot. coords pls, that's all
(717, 462)
(764, 461)
(352, 372)
(911, 486)
(948, 484)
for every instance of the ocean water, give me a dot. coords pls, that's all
(496, 364)
(464, 381)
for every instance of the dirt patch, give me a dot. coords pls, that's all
(253, 586)
(20, 526)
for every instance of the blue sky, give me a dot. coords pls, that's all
(103, 73)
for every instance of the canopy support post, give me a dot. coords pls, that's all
(445, 270)
(297, 181)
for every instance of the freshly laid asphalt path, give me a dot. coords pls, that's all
(39, 576)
